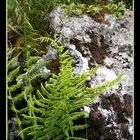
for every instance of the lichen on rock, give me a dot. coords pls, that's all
(109, 45)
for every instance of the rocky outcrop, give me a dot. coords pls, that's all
(110, 45)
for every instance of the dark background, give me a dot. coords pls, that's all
(136, 69)
(3, 69)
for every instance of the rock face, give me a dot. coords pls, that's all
(110, 45)
(13, 130)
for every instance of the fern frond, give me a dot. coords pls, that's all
(21, 77)
(39, 119)
(35, 109)
(14, 109)
(73, 116)
(15, 87)
(54, 107)
(13, 74)
(45, 92)
(103, 87)
(24, 110)
(43, 75)
(23, 95)
(26, 130)
(12, 62)
(38, 103)
(35, 68)
(79, 127)
(31, 60)
(43, 98)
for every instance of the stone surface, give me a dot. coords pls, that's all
(110, 45)
(51, 55)
(12, 130)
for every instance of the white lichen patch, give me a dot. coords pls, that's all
(82, 66)
(130, 125)
(87, 110)
(108, 113)
(103, 75)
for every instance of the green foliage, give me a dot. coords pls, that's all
(35, 10)
(29, 18)
(89, 2)
(31, 70)
(93, 10)
(47, 110)
(70, 1)
(20, 85)
(32, 16)
(74, 9)
(51, 110)
(117, 9)
(128, 3)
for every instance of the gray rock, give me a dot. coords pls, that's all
(80, 62)
(70, 27)
(12, 129)
(86, 39)
(51, 55)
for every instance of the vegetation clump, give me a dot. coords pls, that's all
(47, 105)
(50, 111)
(95, 10)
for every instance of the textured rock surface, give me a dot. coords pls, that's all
(12, 130)
(110, 45)
(51, 55)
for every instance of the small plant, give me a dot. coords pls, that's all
(79, 9)
(128, 3)
(49, 112)
(117, 9)
(21, 80)
(74, 9)
(111, 7)
(36, 11)
(93, 10)
(121, 8)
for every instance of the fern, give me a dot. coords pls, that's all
(20, 85)
(51, 109)
(56, 106)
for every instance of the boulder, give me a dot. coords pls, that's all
(110, 45)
